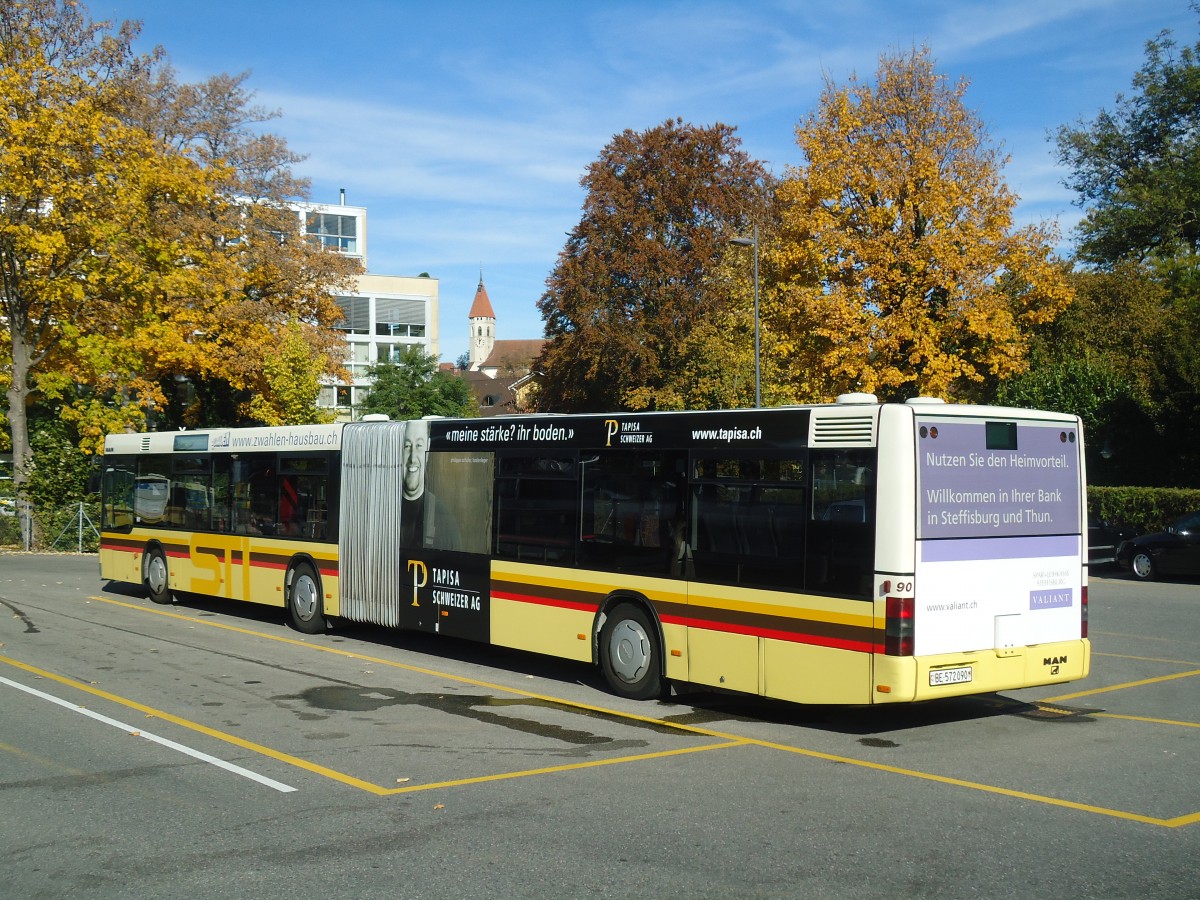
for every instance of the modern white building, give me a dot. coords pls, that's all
(382, 317)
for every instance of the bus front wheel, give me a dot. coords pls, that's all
(630, 655)
(156, 576)
(306, 608)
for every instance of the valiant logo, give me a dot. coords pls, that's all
(1060, 598)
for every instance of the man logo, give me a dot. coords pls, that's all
(1054, 662)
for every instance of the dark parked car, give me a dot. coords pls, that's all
(1175, 551)
(1103, 540)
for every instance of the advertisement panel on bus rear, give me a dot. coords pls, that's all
(991, 479)
(999, 538)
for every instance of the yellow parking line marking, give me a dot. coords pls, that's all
(194, 726)
(52, 764)
(977, 786)
(1120, 687)
(727, 740)
(342, 777)
(1149, 719)
(434, 673)
(1156, 659)
(550, 770)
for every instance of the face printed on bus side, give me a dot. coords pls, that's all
(416, 439)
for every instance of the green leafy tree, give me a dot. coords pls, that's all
(631, 301)
(1118, 430)
(1136, 169)
(901, 271)
(412, 386)
(58, 476)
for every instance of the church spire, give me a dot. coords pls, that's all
(482, 327)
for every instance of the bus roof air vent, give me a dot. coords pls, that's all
(376, 417)
(923, 401)
(831, 429)
(145, 443)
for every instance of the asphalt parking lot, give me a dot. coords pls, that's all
(206, 748)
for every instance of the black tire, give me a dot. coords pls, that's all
(1142, 565)
(306, 603)
(631, 654)
(156, 576)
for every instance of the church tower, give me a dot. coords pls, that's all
(483, 328)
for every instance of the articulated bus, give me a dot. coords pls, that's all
(848, 553)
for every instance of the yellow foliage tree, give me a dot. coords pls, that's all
(74, 177)
(292, 375)
(899, 270)
(146, 237)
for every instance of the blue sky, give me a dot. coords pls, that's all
(464, 127)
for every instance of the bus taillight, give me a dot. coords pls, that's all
(1083, 612)
(898, 634)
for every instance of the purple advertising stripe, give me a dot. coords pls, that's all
(969, 490)
(963, 550)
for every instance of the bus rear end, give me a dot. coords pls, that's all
(988, 591)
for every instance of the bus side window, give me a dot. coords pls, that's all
(118, 487)
(840, 548)
(632, 517)
(748, 520)
(537, 508)
(303, 510)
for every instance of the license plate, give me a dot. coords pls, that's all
(961, 675)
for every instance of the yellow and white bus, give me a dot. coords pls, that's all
(848, 553)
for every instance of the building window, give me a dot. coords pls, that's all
(333, 231)
(398, 317)
(356, 315)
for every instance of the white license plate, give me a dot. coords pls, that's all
(961, 675)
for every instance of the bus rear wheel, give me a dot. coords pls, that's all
(630, 654)
(306, 607)
(156, 576)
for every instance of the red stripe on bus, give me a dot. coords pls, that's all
(796, 637)
(546, 601)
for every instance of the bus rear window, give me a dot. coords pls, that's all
(1000, 435)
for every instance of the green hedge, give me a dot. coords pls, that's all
(1141, 509)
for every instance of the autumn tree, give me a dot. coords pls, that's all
(900, 270)
(73, 173)
(631, 311)
(145, 234)
(293, 381)
(413, 386)
(218, 323)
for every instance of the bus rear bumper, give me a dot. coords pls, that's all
(904, 679)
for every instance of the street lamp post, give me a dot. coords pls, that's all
(753, 242)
